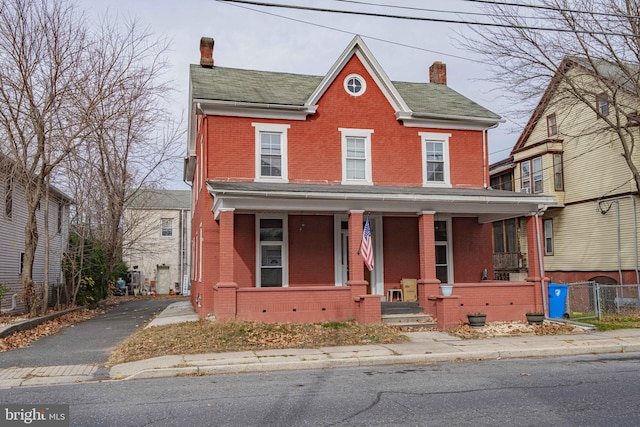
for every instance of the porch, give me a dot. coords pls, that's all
(294, 255)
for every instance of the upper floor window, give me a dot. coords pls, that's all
(552, 126)
(435, 158)
(8, 197)
(355, 85)
(525, 176)
(558, 175)
(532, 176)
(166, 227)
(536, 165)
(356, 156)
(602, 104)
(502, 182)
(271, 151)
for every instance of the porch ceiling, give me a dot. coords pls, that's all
(487, 205)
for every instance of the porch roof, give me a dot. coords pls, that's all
(487, 204)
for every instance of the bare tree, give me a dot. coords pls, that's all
(67, 90)
(132, 134)
(42, 51)
(577, 51)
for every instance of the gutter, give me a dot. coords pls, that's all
(204, 103)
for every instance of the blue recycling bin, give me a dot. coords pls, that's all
(557, 300)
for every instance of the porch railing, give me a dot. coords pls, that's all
(508, 260)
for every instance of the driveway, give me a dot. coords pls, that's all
(89, 342)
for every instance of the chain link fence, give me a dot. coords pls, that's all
(592, 300)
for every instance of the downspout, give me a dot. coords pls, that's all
(539, 213)
(635, 234)
(485, 158)
(13, 304)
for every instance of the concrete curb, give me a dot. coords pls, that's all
(32, 323)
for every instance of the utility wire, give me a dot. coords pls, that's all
(352, 33)
(415, 18)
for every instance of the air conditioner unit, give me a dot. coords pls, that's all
(525, 190)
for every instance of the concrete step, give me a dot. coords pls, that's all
(401, 308)
(409, 321)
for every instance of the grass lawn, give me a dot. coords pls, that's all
(205, 336)
(611, 322)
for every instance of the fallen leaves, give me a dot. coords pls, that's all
(24, 338)
(213, 337)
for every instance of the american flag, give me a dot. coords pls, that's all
(366, 248)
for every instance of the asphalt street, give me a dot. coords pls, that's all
(88, 342)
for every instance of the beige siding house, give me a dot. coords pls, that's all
(156, 241)
(568, 151)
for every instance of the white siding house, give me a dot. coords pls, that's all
(158, 226)
(13, 218)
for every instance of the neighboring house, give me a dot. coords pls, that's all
(287, 169)
(566, 151)
(509, 235)
(13, 219)
(157, 239)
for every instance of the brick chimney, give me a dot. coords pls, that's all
(438, 73)
(206, 52)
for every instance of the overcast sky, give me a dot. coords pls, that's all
(257, 40)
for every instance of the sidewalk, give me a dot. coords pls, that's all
(424, 347)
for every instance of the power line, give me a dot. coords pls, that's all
(415, 18)
(352, 33)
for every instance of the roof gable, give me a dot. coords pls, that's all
(358, 48)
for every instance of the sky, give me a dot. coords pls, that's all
(308, 42)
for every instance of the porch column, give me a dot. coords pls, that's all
(428, 283)
(535, 263)
(226, 245)
(356, 263)
(225, 290)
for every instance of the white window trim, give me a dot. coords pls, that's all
(444, 139)
(273, 128)
(362, 81)
(284, 244)
(357, 133)
(449, 249)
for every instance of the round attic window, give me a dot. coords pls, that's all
(355, 85)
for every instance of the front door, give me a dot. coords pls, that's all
(342, 255)
(163, 280)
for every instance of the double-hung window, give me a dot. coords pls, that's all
(602, 104)
(558, 178)
(356, 156)
(552, 125)
(272, 253)
(271, 152)
(166, 227)
(525, 176)
(536, 165)
(435, 158)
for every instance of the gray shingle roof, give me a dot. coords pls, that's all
(161, 199)
(265, 87)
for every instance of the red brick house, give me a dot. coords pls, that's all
(287, 168)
